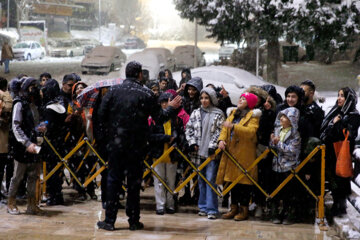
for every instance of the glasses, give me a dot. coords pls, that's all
(70, 85)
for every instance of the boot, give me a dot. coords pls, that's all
(11, 207)
(234, 209)
(32, 208)
(243, 214)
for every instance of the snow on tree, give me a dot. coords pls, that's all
(302, 20)
(25, 6)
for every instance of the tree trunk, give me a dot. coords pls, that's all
(273, 59)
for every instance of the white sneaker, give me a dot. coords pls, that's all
(211, 216)
(201, 213)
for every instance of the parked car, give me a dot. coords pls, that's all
(103, 59)
(234, 80)
(167, 55)
(88, 44)
(134, 43)
(65, 48)
(150, 61)
(184, 57)
(28, 50)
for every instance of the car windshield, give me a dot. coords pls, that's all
(22, 45)
(63, 44)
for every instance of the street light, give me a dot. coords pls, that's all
(99, 20)
(8, 15)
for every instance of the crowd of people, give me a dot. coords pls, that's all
(140, 119)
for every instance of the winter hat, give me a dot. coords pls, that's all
(165, 96)
(172, 92)
(251, 99)
(211, 92)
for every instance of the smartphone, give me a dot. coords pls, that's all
(37, 149)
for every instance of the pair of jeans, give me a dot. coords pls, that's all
(208, 200)
(6, 63)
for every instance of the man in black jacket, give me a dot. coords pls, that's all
(124, 114)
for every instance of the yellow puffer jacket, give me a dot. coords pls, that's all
(242, 146)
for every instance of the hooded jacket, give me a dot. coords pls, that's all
(289, 149)
(25, 116)
(54, 113)
(191, 104)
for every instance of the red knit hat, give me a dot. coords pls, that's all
(251, 99)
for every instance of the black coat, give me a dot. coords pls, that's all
(266, 126)
(332, 133)
(158, 138)
(124, 112)
(311, 117)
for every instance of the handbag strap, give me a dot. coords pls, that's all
(346, 134)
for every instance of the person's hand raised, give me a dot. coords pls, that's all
(176, 102)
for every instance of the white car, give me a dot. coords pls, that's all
(234, 80)
(65, 48)
(28, 50)
(167, 55)
(184, 57)
(150, 61)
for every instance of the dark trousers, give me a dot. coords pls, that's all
(6, 165)
(288, 194)
(124, 164)
(241, 193)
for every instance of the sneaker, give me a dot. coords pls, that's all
(202, 213)
(211, 216)
(170, 211)
(136, 226)
(276, 221)
(160, 212)
(106, 226)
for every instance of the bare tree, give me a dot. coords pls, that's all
(25, 6)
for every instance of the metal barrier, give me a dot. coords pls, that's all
(197, 171)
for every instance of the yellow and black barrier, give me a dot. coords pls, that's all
(197, 171)
(294, 173)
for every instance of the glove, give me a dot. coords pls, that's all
(192, 148)
(211, 151)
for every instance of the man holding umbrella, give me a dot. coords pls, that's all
(124, 112)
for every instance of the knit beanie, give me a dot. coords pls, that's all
(172, 92)
(251, 99)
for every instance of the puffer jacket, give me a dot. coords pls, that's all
(193, 128)
(288, 150)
